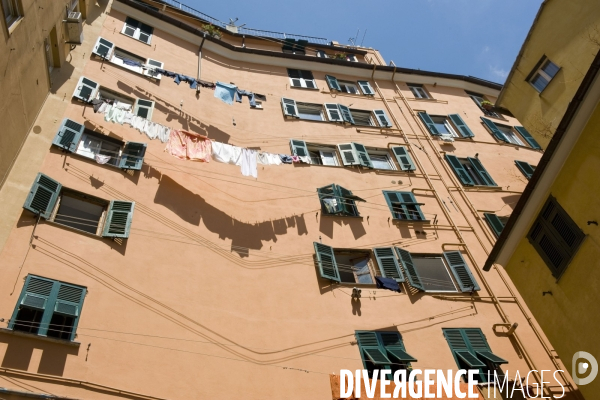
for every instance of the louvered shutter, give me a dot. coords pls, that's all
(394, 203)
(494, 222)
(549, 248)
(459, 170)
(288, 45)
(382, 118)
(403, 157)
(527, 136)
(69, 301)
(348, 153)
(461, 125)
(38, 293)
(346, 114)
(428, 123)
(333, 82)
(133, 156)
(328, 268)
(525, 168)
(68, 135)
(370, 349)
(409, 267)
(465, 279)
(409, 198)
(366, 88)
(298, 148)
(85, 90)
(494, 129)
(103, 48)
(485, 176)
(394, 346)
(42, 196)
(363, 156)
(480, 346)
(289, 107)
(388, 263)
(347, 200)
(333, 112)
(458, 343)
(329, 192)
(118, 219)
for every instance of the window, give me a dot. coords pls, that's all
(362, 117)
(383, 350)
(323, 155)
(354, 154)
(351, 57)
(404, 206)
(105, 49)
(48, 308)
(506, 134)
(302, 79)
(453, 125)
(137, 30)
(143, 108)
(479, 99)
(322, 54)
(555, 236)
(403, 157)
(543, 74)
(349, 87)
(526, 168)
(433, 274)
(73, 137)
(335, 200)
(496, 223)
(443, 126)
(510, 135)
(293, 46)
(80, 211)
(310, 111)
(381, 159)
(418, 91)
(12, 11)
(344, 265)
(470, 171)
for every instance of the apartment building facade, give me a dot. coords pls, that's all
(136, 266)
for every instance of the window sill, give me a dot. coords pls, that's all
(141, 41)
(355, 95)
(302, 87)
(69, 343)
(427, 100)
(325, 214)
(14, 26)
(424, 221)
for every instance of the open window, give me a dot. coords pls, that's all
(310, 111)
(496, 223)
(106, 50)
(336, 200)
(451, 125)
(381, 159)
(344, 265)
(137, 30)
(525, 168)
(383, 350)
(404, 206)
(301, 79)
(293, 46)
(470, 171)
(479, 100)
(418, 91)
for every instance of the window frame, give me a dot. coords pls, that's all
(539, 71)
(378, 152)
(320, 149)
(345, 200)
(137, 30)
(415, 87)
(150, 108)
(476, 99)
(345, 84)
(384, 352)
(510, 134)
(301, 80)
(467, 164)
(300, 104)
(452, 279)
(406, 204)
(12, 16)
(447, 124)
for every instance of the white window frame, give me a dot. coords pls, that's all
(112, 95)
(137, 106)
(390, 161)
(510, 134)
(118, 61)
(334, 157)
(92, 153)
(351, 57)
(372, 119)
(13, 14)
(345, 84)
(418, 91)
(149, 73)
(299, 114)
(540, 72)
(447, 124)
(137, 32)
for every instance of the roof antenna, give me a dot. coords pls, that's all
(363, 39)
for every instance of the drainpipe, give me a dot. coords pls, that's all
(200, 62)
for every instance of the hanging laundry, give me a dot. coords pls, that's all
(225, 92)
(182, 78)
(222, 152)
(260, 97)
(295, 159)
(274, 159)
(248, 163)
(97, 103)
(189, 146)
(239, 93)
(133, 63)
(305, 159)
(102, 159)
(206, 84)
(387, 283)
(285, 159)
(263, 158)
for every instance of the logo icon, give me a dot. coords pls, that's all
(582, 368)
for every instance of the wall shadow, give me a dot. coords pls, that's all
(327, 222)
(511, 200)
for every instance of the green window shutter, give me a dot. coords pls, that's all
(133, 156)
(428, 123)
(103, 48)
(347, 200)
(480, 346)
(85, 89)
(485, 176)
(409, 198)
(465, 279)
(494, 223)
(348, 153)
(366, 88)
(363, 156)
(332, 206)
(456, 340)
(404, 159)
(382, 118)
(68, 135)
(370, 348)
(289, 107)
(346, 114)
(526, 168)
(69, 301)
(35, 294)
(394, 202)
(42, 196)
(461, 125)
(394, 346)
(118, 219)
(527, 136)
(333, 112)
(459, 170)
(333, 83)
(298, 148)
(494, 129)
(300, 47)
(411, 272)
(288, 45)
(388, 263)
(328, 268)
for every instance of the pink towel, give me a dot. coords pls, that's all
(189, 146)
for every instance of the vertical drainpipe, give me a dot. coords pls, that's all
(200, 62)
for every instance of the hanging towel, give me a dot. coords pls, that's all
(236, 157)
(305, 159)
(102, 159)
(295, 159)
(164, 134)
(176, 145)
(107, 114)
(198, 148)
(225, 92)
(128, 118)
(262, 158)
(248, 163)
(222, 152)
(102, 107)
(274, 159)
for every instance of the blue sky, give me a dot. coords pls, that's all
(469, 37)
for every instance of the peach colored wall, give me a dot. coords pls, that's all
(177, 312)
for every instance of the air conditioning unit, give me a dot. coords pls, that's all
(74, 28)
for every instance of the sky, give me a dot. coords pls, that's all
(480, 38)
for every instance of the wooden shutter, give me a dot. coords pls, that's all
(289, 107)
(459, 170)
(465, 279)
(382, 118)
(388, 263)
(348, 153)
(68, 135)
(458, 343)
(461, 125)
(494, 222)
(329, 192)
(411, 272)
(403, 157)
(393, 345)
(333, 82)
(133, 156)
(366, 88)
(85, 90)
(69, 301)
(370, 349)
(42, 196)
(346, 114)
(485, 176)
(525, 168)
(298, 148)
(347, 200)
(118, 219)
(527, 136)
(393, 200)
(328, 268)
(103, 48)
(428, 123)
(409, 198)
(480, 346)
(38, 293)
(494, 129)
(155, 64)
(363, 156)
(295, 76)
(333, 112)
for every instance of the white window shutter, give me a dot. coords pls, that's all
(153, 64)
(86, 89)
(333, 112)
(382, 118)
(289, 107)
(103, 48)
(348, 154)
(366, 88)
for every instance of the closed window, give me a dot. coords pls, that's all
(418, 91)
(543, 74)
(144, 108)
(323, 155)
(12, 11)
(383, 350)
(137, 30)
(434, 273)
(302, 79)
(470, 171)
(310, 111)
